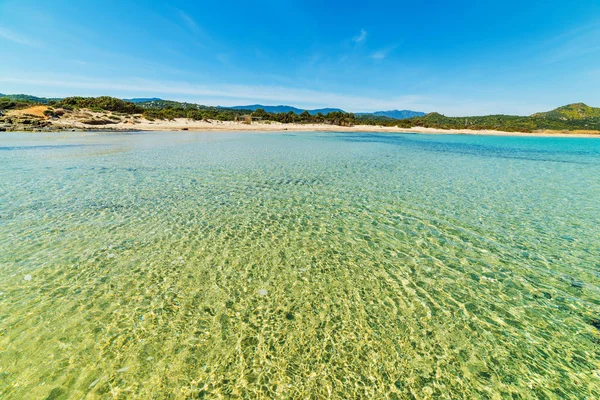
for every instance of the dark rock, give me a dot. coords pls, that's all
(98, 122)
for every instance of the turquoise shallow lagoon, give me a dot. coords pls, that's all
(310, 265)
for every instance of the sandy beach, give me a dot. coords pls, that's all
(179, 124)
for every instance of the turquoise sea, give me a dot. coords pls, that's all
(299, 265)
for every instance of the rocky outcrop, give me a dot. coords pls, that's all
(98, 122)
(23, 123)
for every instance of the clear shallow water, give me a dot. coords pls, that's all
(189, 265)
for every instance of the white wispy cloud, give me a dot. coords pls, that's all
(14, 37)
(361, 37)
(579, 42)
(200, 37)
(224, 59)
(382, 54)
(188, 21)
(379, 55)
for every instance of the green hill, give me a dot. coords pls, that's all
(511, 123)
(570, 112)
(567, 118)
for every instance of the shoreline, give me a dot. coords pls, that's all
(183, 124)
(232, 126)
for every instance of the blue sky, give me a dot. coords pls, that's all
(455, 57)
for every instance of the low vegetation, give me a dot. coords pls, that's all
(6, 103)
(98, 104)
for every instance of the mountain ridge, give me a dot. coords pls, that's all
(395, 114)
(283, 108)
(28, 97)
(142, 99)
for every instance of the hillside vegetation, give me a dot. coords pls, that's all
(571, 117)
(26, 98)
(103, 103)
(577, 111)
(7, 103)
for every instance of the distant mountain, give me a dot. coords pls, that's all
(142, 99)
(45, 100)
(159, 104)
(571, 112)
(395, 114)
(284, 109)
(26, 97)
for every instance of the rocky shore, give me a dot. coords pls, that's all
(24, 123)
(38, 119)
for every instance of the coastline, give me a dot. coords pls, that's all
(182, 124)
(138, 123)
